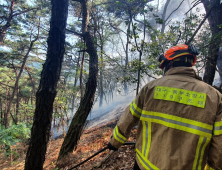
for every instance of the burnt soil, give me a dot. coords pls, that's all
(91, 141)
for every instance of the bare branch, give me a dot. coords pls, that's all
(36, 38)
(22, 12)
(150, 75)
(168, 22)
(3, 17)
(119, 30)
(6, 85)
(75, 33)
(174, 11)
(194, 34)
(134, 33)
(141, 22)
(178, 38)
(197, 3)
(122, 43)
(185, 31)
(32, 81)
(82, 51)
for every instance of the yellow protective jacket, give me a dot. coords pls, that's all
(180, 123)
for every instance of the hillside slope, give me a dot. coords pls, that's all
(91, 141)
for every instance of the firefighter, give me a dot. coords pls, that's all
(179, 118)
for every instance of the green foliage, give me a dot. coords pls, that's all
(27, 111)
(123, 8)
(109, 22)
(13, 135)
(23, 29)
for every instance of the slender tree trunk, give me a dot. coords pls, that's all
(18, 77)
(157, 13)
(215, 19)
(17, 106)
(101, 72)
(78, 121)
(140, 50)
(138, 74)
(63, 126)
(32, 97)
(164, 16)
(32, 81)
(81, 72)
(219, 63)
(101, 82)
(158, 3)
(6, 117)
(1, 105)
(46, 92)
(74, 85)
(127, 54)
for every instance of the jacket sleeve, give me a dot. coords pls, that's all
(127, 121)
(215, 150)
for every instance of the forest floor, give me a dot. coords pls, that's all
(90, 142)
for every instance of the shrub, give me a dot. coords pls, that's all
(13, 135)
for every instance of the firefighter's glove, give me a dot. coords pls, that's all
(111, 147)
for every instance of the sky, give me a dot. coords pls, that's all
(4, 48)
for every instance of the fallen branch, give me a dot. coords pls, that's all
(111, 152)
(105, 159)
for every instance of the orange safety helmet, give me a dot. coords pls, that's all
(178, 51)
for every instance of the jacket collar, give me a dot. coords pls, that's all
(184, 71)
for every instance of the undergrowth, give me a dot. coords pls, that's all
(11, 137)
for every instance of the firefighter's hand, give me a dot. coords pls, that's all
(111, 147)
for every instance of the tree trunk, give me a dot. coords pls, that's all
(164, 16)
(75, 82)
(78, 121)
(6, 117)
(17, 106)
(127, 54)
(46, 92)
(219, 63)
(63, 126)
(101, 92)
(1, 105)
(18, 77)
(138, 74)
(215, 19)
(140, 50)
(101, 83)
(81, 71)
(32, 81)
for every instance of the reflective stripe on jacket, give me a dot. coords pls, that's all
(179, 122)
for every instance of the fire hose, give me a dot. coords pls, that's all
(102, 150)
